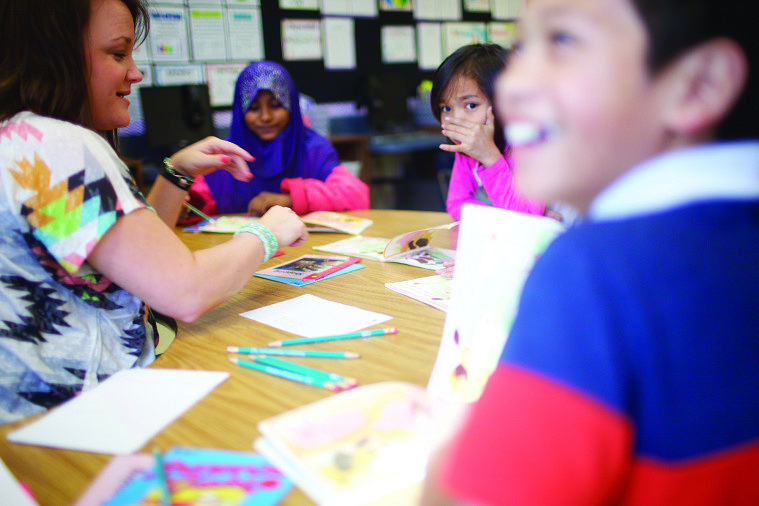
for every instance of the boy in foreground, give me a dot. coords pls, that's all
(629, 376)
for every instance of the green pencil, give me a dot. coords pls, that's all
(306, 340)
(338, 379)
(292, 376)
(294, 353)
(198, 212)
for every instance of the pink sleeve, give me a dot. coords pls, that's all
(341, 191)
(497, 180)
(529, 440)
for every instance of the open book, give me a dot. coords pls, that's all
(496, 251)
(411, 248)
(360, 445)
(432, 290)
(328, 221)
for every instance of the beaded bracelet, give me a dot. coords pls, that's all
(174, 177)
(265, 235)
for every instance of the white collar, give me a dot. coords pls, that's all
(728, 171)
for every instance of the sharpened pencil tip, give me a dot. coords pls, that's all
(234, 360)
(352, 354)
(275, 344)
(233, 349)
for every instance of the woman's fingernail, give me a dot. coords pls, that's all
(224, 159)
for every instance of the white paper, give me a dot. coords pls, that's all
(339, 44)
(122, 413)
(11, 492)
(312, 316)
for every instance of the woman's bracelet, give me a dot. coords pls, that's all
(265, 235)
(174, 177)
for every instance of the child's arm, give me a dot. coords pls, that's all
(341, 191)
(499, 182)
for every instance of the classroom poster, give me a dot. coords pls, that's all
(301, 39)
(355, 8)
(438, 9)
(302, 5)
(221, 79)
(245, 34)
(503, 33)
(168, 34)
(339, 43)
(456, 35)
(429, 41)
(395, 5)
(398, 44)
(507, 9)
(207, 31)
(167, 75)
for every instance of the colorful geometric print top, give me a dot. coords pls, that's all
(63, 326)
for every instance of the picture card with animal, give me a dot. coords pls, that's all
(366, 445)
(411, 248)
(496, 251)
(193, 476)
(307, 265)
(328, 221)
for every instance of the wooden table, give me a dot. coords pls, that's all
(227, 417)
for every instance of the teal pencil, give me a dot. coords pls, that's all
(161, 475)
(307, 340)
(281, 373)
(338, 379)
(293, 353)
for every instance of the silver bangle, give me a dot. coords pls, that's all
(174, 177)
(265, 235)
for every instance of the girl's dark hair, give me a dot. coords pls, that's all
(676, 26)
(42, 61)
(481, 62)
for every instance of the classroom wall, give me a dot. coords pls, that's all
(250, 30)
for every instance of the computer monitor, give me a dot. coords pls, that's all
(176, 116)
(387, 106)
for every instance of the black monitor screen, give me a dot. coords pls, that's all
(388, 101)
(176, 116)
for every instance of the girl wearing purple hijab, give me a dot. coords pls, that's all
(294, 166)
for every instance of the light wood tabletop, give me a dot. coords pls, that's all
(227, 417)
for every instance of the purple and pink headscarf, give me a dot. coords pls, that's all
(297, 151)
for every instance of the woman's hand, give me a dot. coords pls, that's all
(472, 139)
(264, 201)
(285, 225)
(212, 154)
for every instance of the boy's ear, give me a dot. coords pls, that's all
(706, 82)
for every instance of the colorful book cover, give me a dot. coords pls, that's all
(496, 251)
(304, 266)
(412, 248)
(327, 221)
(359, 445)
(193, 475)
(304, 282)
(432, 290)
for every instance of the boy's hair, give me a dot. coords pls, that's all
(42, 62)
(480, 62)
(676, 26)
